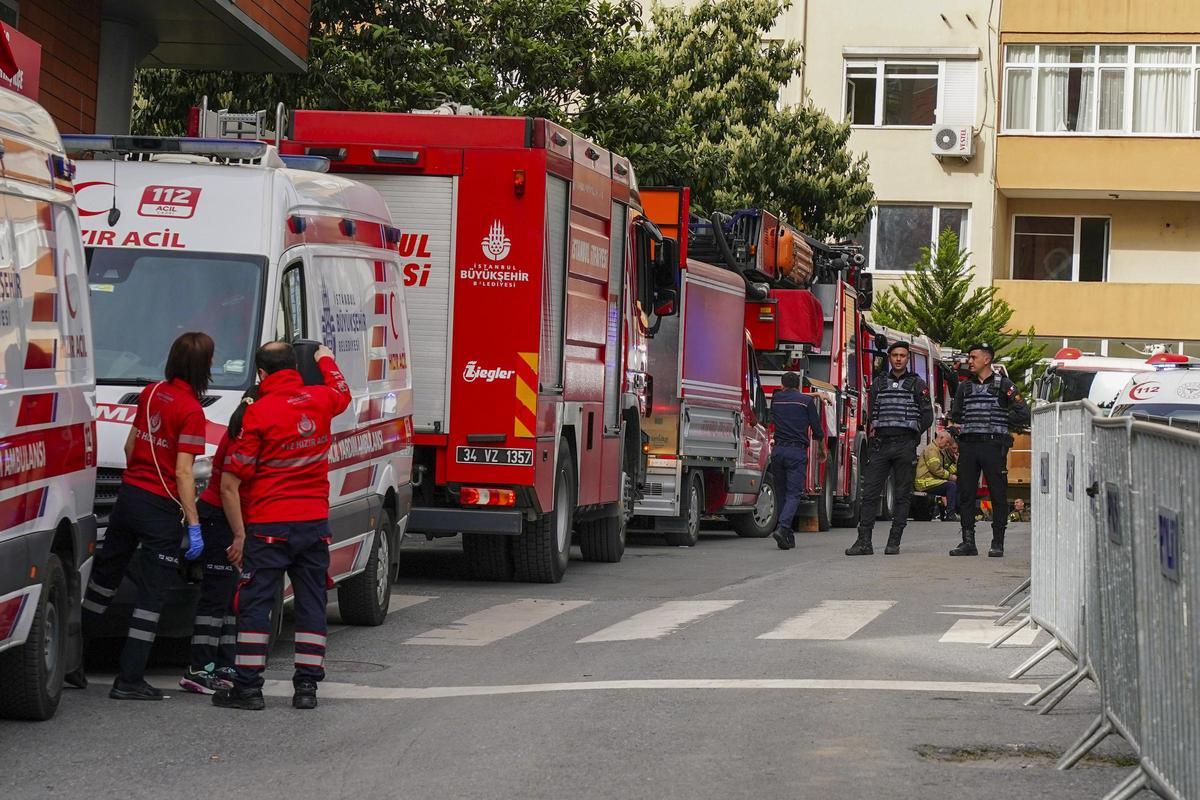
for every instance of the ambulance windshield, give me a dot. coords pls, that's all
(142, 300)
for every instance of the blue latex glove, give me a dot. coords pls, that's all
(195, 543)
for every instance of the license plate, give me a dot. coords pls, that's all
(499, 456)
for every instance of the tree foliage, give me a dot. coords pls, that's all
(936, 298)
(691, 99)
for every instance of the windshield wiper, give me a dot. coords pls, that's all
(127, 381)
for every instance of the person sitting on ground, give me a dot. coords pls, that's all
(936, 472)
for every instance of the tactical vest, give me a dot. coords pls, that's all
(983, 410)
(896, 404)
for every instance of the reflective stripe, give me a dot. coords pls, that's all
(210, 621)
(94, 607)
(186, 439)
(209, 640)
(300, 461)
(241, 459)
(310, 638)
(228, 640)
(246, 637)
(309, 660)
(249, 661)
(143, 614)
(138, 633)
(103, 591)
(230, 620)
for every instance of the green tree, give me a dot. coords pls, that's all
(936, 298)
(698, 107)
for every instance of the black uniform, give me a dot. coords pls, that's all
(900, 411)
(987, 411)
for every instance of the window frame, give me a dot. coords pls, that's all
(1076, 241)
(881, 65)
(872, 243)
(296, 266)
(1129, 67)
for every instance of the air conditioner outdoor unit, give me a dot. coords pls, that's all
(953, 140)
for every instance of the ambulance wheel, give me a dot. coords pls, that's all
(603, 539)
(541, 552)
(762, 521)
(489, 557)
(364, 599)
(825, 501)
(31, 676)
(693, 507)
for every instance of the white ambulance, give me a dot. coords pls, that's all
(47, 436)
(222, 236)
(1170, 395)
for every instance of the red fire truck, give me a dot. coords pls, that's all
(804, 314)
(532, 278)
(709, 447)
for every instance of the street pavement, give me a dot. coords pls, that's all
(728, 670)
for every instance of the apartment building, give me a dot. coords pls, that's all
(1098, 171)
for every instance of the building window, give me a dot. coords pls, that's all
(894, 235)
(9, 12)
(1060, 248)
(892, 93)
(1102, 89)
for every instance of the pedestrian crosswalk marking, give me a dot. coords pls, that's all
(984, 631)
(832, 620)
(982, 614)
(496, 622)
(659, 622)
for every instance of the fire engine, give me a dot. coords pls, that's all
(804, 313)
(532, 280)
(709, 447)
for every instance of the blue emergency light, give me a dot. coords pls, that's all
(229, 149)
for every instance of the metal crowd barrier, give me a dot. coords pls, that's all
(1115, 579)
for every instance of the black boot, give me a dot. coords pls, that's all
(244, 699)
(997, 548)
(784, 538)
(305, 696)
(861, 547)
(893, 545)
(967, 546)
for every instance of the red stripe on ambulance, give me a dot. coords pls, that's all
(37, 409)
(23, 508)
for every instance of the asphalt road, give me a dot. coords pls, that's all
(729, 670)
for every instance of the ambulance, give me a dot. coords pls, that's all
(1074, 375)
(47, 436)
(1169, 395)
(222, 236)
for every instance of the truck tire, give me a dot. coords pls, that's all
(489, 557)
(887, 500)
(764, 519)
(603, 539)
(846, 515)
(31, 676)
(825, 501)
(693, 507)
(541, 552)
(364, 599)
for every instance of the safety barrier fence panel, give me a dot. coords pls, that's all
(1043, 511)
(1113, 619)
(1165, 465)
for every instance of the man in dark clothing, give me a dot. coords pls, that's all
(794, 415)
(986, 408)
(900, 411)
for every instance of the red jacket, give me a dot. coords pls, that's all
(281, 454)
(212, 491)
(169, 421)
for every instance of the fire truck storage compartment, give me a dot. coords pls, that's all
(820, 362)
(423, 208)
(554, 292)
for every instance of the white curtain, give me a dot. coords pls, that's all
(1112, 100)
(1066, 95)
(1018, 83)
(1160, 92)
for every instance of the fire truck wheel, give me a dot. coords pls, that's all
(825, 503)
(762, 521)
(541, 552)
(846, 515)
(489, 557)
(31, 676)
(693, 507)
(364, 599)
(603, 539)
(887, 500)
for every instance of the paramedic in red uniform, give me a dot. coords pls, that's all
(157, 492)
(275, 490)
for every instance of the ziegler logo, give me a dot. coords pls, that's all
(472, 373)
(496, 244)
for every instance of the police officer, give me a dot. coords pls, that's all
(794, 415)
(900, 411)
(275, 491)
(986, 407)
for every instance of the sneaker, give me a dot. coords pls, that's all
(244, 699)
(305, 696)
(226, 674)
(201, 681)
(133, 691)
(76, 678)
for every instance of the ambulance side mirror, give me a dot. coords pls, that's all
(664, 303)
(667, 266)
